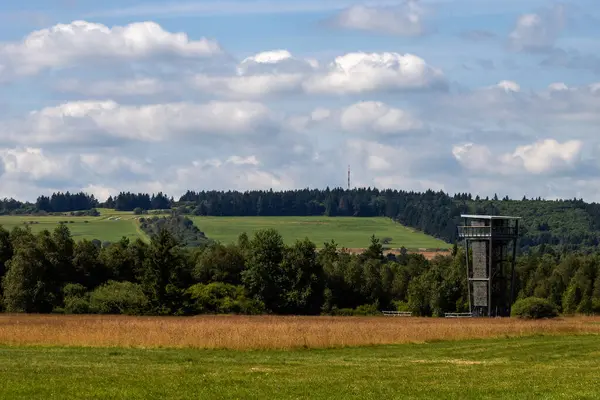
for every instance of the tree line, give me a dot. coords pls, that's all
(563, 225)
(50, 272)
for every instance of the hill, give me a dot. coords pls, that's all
(562, 225)
(350, 232)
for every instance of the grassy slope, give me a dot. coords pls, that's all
(347, 231)
(535, 367)
(96, 228)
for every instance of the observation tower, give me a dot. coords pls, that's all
(492, 242)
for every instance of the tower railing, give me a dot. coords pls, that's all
(486, 231)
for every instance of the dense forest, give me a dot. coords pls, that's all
(49, 272)
(182, 228)
(564, 225)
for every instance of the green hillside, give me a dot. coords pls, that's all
(346, 231)
(349, 232)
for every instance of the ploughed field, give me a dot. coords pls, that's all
(219, 357)
(353, 233)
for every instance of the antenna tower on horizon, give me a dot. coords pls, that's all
(348, 177)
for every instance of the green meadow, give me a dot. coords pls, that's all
(350, 232)
(346, 231)
(553, 367)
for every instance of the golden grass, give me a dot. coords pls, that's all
(267, 332)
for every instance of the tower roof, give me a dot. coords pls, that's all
(488, 216)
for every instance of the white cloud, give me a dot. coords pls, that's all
(32, 163)
(232, 173)
(547, 155)
(86, 121)
(538, 32)
(373, 119)
(542, 157)
(253, 86)
(279, 72)
(129, 87)
(508, 86)
(361, 72)
(82, 42)
(404, 20)
(377, 117)
(558, 86)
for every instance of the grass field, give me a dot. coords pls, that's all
(526, 367)
(268, 332)
(346, 231)
(101, 228)
(353, 233)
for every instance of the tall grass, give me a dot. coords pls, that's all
(267, 332)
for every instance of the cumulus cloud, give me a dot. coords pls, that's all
(352, 73)
(508, 86)
(373, 119)
(122, 88)
(378, 117)
(82, 42)
(538, 32)
(278, 72)
(403, 20)
(39, 165)
(366, 72)
(86, 121)
(32, 163)
(230, 173)
(542, 157)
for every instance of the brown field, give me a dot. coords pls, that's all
(267, 332)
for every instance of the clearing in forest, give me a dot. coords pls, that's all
(350, 232)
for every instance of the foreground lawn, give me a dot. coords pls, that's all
(346, 231)
(555, 367)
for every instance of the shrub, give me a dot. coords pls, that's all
(534, 308)
(363, 310)
(401, 305)
(223, 298)
(118, 298)
(77, 305)
(76, 299)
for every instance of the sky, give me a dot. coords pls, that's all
(480, 96)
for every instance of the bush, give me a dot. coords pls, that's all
(76, 299)
(77, 305)
(400, 305)
(363, 310)
(534, 308)
(118, 298)
(223, 298)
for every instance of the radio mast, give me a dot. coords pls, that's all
(348, 177)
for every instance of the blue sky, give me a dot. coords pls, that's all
(464, 95)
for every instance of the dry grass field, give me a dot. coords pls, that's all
(268, 332)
